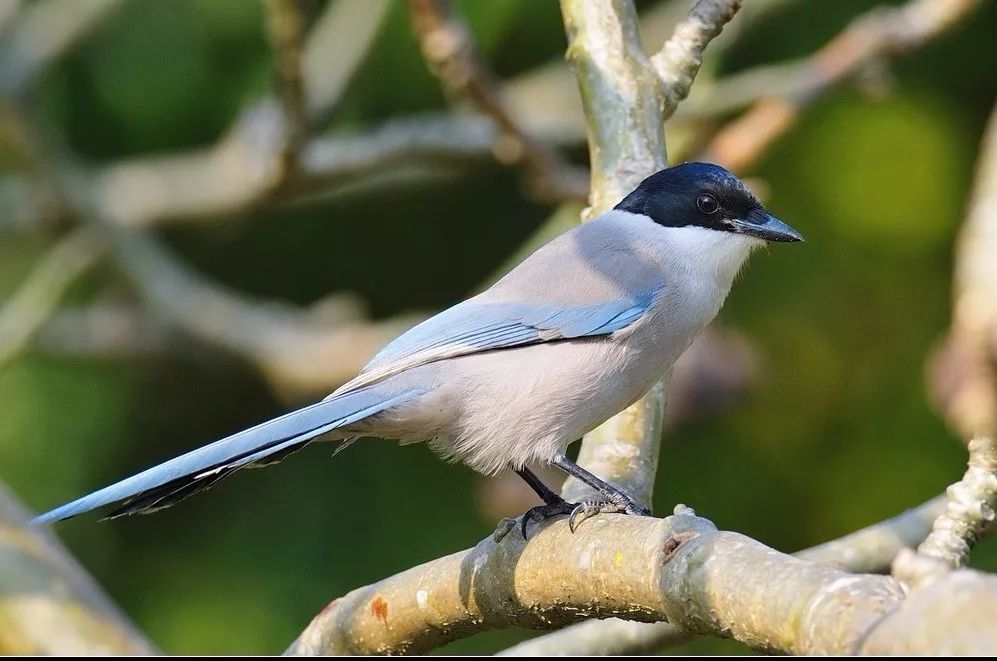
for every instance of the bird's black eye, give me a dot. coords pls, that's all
(707, 204)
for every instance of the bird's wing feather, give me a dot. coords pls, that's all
(480, 325)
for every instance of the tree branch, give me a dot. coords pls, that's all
(963, 372)
(297, 350)
(680, 58)
(37, 299)
(48, 604)
(970, 509)
(680, 569)
(449, 49)
(41, 33)
(336, 46)
(284, 29)
(626, 144)
(870, 550)
(619, 89)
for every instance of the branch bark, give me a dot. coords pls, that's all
(867, 551)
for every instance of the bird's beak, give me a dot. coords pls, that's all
(759, 223)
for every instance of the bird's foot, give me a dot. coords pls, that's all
(544, 512)
(589, 508)
(578, 512)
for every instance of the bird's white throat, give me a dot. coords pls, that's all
(704, 252)
(710, 251)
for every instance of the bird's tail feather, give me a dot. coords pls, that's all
(172, 481)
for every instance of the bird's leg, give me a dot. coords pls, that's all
(616, 499)
(553, 505)
(546, 493)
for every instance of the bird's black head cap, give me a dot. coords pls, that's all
(705, 195)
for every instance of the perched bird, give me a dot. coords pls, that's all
(578, 331)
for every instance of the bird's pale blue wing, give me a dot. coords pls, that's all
(477, 325)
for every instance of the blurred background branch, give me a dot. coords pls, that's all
(48, 604)
(450, 52)
(881, 33)
(963, 370)
(39, 296)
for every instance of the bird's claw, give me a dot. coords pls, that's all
(588, 508)
(544, 512)
(584, 509)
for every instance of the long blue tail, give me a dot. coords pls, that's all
(168, 483)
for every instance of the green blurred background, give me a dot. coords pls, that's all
(836, 432)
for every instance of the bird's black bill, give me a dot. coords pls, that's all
(759, 223)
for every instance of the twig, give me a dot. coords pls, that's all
(218, 184)
(247, 166)
(680, 58)
(284, 28)
(969, 511)
(449, 48)
(48, 603)
(39, 296)
(882, 32)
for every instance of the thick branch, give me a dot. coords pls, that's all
(48, 604)
(619, 89)
(626, 144)
(870, 550)
(680, 569)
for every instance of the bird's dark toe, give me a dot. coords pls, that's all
(544, 512)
